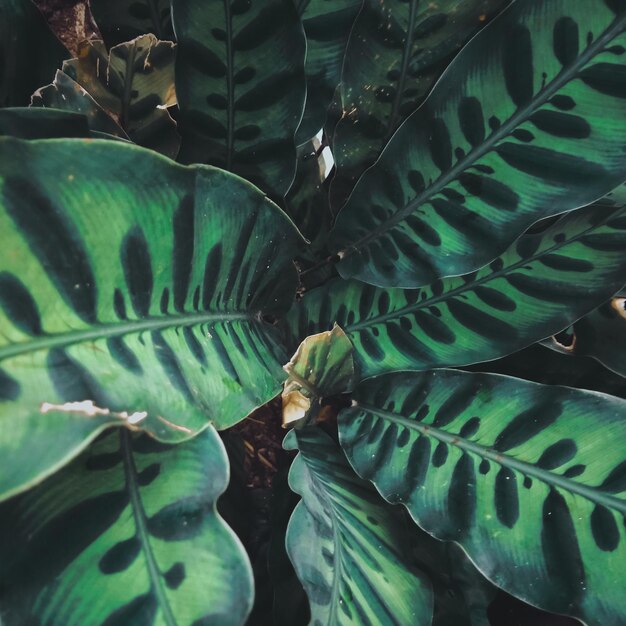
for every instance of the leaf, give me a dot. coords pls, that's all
(346, 546)
(134, 82)
(241, 87)
(327, 26)
(26, 123)
(539, 286)
(462, 595)
(29, 52)
(539, 364)
(307, 199)
(126, 534)
(131, 299)
(67, 95)
(123, 20)
(396, 52)
(321, 367)
(529, 479)
(525, 123)
(601, 335)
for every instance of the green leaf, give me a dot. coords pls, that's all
(241, 87)
(27, 123)
(461, 593)
(529, 479)
(396, 52)
(327, 26)
(134, 299)
(134, 82)
(122, 20)
(601, 335)
(126, 534)
(29, 52)
(539, 286)
(307, 199)
(67, 95)
(539, 364)
(346, 546)
(321, 367)
(525, 123)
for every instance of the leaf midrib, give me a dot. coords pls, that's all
(139, 514)
(561, 79)
(528, 469)
(469, 286)
(106, 331)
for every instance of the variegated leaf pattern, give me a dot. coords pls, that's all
(347, 547)
(241, 86)
(29, 52)
(134, 82)
(529, 479)
(67, 95)
(526, 122)
(327, 24)
(539, 286)
(601, 335)
(122, 20)
(321, 367)
(127, 534)
(397, 50)
(131, 299)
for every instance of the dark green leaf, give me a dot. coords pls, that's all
(126, 534)
(26, 123)
(539, 286)
(348, 549)
(241, 87)
(529, 479)
(122, 20)
(327, 26)
(29, 52)
(396, 52)
(132, 291)
(601, 335)
(525, 123)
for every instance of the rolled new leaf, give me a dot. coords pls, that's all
(134, 300)
(126, 534)
(525, 123)
(321, 367)
(347, 547)
(529, 479)
(241, 87)
(539, 286)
